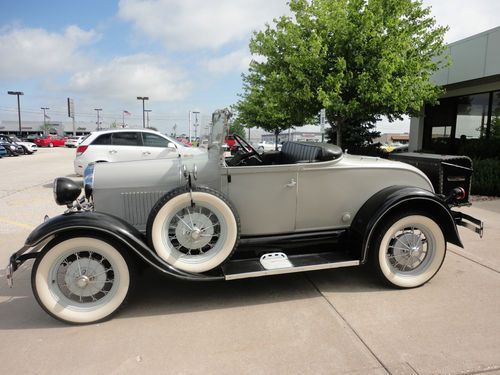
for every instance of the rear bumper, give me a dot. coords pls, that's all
(468, 222)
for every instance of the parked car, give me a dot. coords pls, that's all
(128, 144)
(50, 141)
(27, 148)
(11, 148)
(267, 146)
(74, 141)
(3, 152)
(200, 218)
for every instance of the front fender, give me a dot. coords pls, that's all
(392, 198)
(96, 223)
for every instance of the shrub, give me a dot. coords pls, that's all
(486, 177)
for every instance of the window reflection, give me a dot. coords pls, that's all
(495, 116)
(472, 116)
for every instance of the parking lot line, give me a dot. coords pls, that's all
(17, 224)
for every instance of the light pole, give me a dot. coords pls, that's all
(17, 93)
(44, 117)
(196, 125)
(98, 110)
(147, 115)
(190, 114)
(143, 98)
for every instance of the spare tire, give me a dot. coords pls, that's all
(194, 236)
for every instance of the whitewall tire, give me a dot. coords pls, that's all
(408, 250)
(81, 280)
(193, 236)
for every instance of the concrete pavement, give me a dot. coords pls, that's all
(328, 322)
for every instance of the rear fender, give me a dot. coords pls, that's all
(399, 198)
(106, 226)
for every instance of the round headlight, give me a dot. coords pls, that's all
(66, 191)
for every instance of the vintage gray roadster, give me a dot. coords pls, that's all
(306, 207)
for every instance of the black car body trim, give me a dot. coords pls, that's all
(400, 197)
(77, 223)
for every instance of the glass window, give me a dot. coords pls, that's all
(495, 116)
(103, 139)
(472, 116)
(153, 140)
(126, 139)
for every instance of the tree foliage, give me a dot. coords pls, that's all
(358, 59)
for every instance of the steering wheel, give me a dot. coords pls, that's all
(246, 151)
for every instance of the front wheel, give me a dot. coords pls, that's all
(80, 280)
(408, 250)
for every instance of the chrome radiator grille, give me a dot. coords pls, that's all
(138, 205)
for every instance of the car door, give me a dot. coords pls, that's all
(125, 146)
(156, 147)
(265, 197)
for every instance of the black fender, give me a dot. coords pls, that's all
(392, 198)
(108, 226)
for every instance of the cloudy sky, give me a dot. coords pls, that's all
(183, 54)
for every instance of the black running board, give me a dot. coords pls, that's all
(246, 268)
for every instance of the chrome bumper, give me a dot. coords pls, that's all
(469, 222)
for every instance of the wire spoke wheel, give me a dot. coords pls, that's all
(194, 232)
(80, 279)
(408, 250)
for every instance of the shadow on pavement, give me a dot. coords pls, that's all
(155, 294)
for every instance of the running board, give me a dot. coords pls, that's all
(246, 268)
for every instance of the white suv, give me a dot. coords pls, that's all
(128, 144)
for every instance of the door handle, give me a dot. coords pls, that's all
(292, 183)
(112, 151)
(146, 153)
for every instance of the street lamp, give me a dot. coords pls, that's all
(193, 113)
(17, 93)
(147, 115)
(98, 110)
(143, 98)
(44, 117)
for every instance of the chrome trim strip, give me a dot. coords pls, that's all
(279, 271)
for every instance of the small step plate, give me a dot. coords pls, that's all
(272, 261)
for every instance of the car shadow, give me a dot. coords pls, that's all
(155, 294)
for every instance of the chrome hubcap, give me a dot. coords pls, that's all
(194, 230)
(408, 249)
(84, 277)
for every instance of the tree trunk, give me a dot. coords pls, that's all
(339, 122)
(276, 134)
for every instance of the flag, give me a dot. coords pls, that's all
(127, 113)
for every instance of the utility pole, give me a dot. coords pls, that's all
(98, 110)
(190, 121)
(44, 118)
(147, 116)
(17, 93)
(196, 125)
(143, 98)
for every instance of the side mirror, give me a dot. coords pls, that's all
(171, 145)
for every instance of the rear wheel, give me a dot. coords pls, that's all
(408, 250)
(193, 236)
(81, 279)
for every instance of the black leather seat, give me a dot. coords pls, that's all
(308, 152)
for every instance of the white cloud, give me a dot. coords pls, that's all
(29, 52)
(127, 77)
(238, 61)
(465, 17)
(191, 24)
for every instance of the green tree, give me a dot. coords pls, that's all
(358, 59)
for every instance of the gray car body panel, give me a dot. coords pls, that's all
(270, 199)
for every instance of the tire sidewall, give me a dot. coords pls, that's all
(183, 199)
(431, 268)
(59, 308)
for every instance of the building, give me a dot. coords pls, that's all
(470, 106)
(391, 138)
(51, 127)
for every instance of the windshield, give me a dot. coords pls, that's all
(220, 121)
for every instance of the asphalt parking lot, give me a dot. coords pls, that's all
(327, 322)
